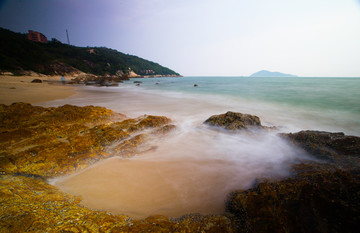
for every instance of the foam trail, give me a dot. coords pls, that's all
(192, 171)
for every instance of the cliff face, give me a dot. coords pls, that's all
(18, 54)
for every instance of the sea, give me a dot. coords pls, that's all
(196, 167)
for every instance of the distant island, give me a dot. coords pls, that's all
(32, 52)
(266, 73)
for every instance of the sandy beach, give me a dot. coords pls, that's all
(20, 89)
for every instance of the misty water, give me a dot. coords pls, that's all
(195, 167)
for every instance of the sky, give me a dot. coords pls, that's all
(206, 37)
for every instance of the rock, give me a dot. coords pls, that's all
(36, 81)
(234, 121)
(319, 199)
(130, 147)
(324, 144)
(195, 85)
(51, 141)
(322, 195)
(165, 129)
(335, 148)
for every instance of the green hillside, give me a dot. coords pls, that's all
(17, 54)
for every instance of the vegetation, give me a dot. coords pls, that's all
(18, 54)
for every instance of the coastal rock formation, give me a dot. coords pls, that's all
(322, 196)
(234, 121)
(49, 142)
(38, 143)
(325, 145)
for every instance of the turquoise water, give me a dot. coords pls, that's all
(338, 94)
(291, 104)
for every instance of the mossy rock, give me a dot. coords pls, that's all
(234, 121)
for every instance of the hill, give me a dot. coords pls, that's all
(265, 73)
(18, 54)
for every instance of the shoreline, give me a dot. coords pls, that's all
(20, 89)
(265, 152)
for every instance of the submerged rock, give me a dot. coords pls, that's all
(234, 121)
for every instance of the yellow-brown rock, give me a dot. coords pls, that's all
(129, 147)
(54, 141)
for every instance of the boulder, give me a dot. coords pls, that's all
(234, 121)
(36, 81)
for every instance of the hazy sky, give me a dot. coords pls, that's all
(206, 37)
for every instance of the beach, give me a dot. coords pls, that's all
(20, 89)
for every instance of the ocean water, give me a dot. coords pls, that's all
(196, 167)
(331, 103)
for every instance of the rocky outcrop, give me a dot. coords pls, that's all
(325, 145)
(322, 196)
(107, 80)
(49, 142)
(38, 143)
(234, 121)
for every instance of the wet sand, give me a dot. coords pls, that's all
(142, 188)
(20, 89)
